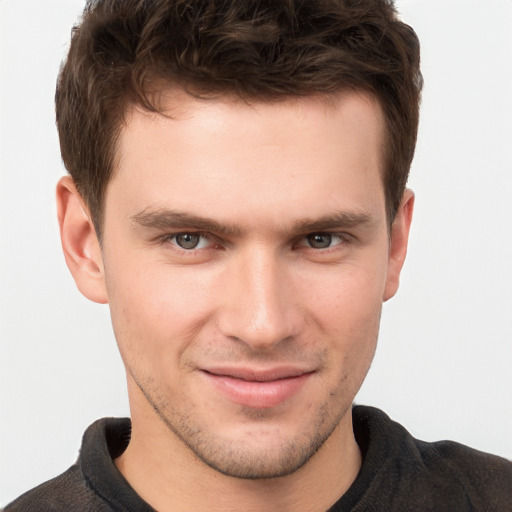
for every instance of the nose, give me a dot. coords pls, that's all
(260, 304)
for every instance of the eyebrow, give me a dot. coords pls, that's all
(164, 219)
(337, 220)
(170, 219)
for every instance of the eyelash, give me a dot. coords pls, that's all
(343, 239)
(170, 239)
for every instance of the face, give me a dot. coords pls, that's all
(246, 258)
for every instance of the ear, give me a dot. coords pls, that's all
(399, 238)
(80, 244)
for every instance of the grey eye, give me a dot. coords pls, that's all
(319, 240)
(187, 240)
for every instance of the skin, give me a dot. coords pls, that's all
(293, 261)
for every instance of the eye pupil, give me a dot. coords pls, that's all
(187, 240)
(320, 240)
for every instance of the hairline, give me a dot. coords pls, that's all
(151, 103)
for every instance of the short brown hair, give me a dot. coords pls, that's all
(256, 49)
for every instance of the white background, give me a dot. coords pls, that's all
(443, 366)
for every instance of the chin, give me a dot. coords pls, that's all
(236, 461)
(257, 451)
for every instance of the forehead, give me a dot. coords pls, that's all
(217, 156)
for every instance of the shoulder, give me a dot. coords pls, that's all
(483, 478)
(93, 482)
(440, 474)
(65, 492)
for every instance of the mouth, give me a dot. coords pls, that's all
(257, 388)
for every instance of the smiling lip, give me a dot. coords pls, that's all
(258, 389)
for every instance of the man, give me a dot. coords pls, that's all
(237, 196)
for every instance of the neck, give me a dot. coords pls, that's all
(168, 475)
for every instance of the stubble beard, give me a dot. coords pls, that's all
(232, 457)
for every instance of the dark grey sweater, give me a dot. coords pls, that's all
(399, 473)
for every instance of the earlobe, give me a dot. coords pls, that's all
(399, 238)
(79, 242)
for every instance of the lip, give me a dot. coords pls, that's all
(257, 388)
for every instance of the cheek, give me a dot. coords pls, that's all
(347, 313)
(347, 298)
(155, 308)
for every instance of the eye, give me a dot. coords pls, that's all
(190, 241)
(322, 240)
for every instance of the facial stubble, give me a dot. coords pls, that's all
(231, 457)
